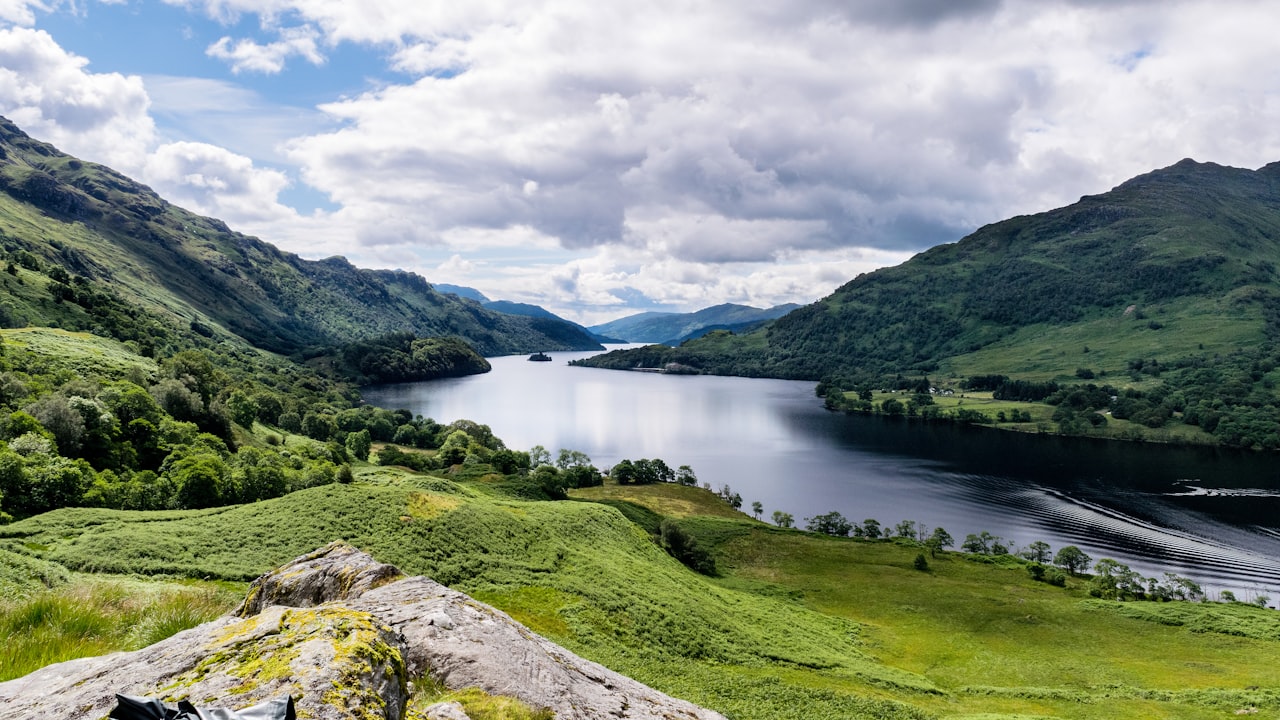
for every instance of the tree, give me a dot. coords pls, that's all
(551, 481)
(920, 563)
(757, 509)
(200, 480)
(456, 447)
(243, 408)
(359, 444)
(871, 528)
(566, 459)
(58, 417)
(538, 455)
(939, 540)
(510, 462)
(623, 472)
(682, 546)
(1072, 559)
(782, 519)
(832, 523)
(319, 426)
(1037, 552)
(905, 529)
(581, 476)
(685, 476)
(980, 544)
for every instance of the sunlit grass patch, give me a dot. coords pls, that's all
(476, 703)
(663, 498)
(97, 616)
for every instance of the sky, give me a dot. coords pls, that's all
(606, 158)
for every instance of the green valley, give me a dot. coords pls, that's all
(179, 414)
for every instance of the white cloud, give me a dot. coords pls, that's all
(246, 55)
(20, 12)
(692, 154)
(686, 151)
(216, 182)
(51, 95)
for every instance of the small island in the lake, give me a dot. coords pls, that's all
(539, 357)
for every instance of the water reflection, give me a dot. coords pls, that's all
(772, 442)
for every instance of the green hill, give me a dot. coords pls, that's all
(1165, 286)
(796, 625)
(88, 249)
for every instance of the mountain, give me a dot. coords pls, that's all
(514, 308)
(1178, 262)
(1155, 304)
(87, 248)
(674, 328)
(462, 292)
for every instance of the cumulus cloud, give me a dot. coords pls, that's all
(51, 94)
(689, 154)
(20, 12)
(214, 181)
(247, 55)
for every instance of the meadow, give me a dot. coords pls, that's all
(794, 624)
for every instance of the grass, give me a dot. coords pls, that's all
(798, 625)
(84, 354)
(667, 499)
(92, 616)
(476, 703)
(1191, 326)
(1042, 417)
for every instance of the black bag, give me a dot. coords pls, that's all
(129, 707)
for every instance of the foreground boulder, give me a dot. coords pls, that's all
(344, 635)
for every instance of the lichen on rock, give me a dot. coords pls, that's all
(353, 636)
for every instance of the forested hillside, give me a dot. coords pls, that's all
(87, 248)
(1163, 289)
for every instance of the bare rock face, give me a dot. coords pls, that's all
(335, 631)
(336, 571)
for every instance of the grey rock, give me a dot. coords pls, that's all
(348, 649)
(334, 572)
(446, 711)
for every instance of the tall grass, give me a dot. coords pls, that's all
(93, 617)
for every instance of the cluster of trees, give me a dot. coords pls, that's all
(404, 357)
(647, 471)
(150, 440)
(1110, 580)
(465, 445)
(916, 405)
(835, 523)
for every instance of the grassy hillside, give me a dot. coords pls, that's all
(1165, 286)
(796, 626)
(1185, 248)
(87, 249)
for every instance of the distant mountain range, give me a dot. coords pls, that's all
(89, 249)
(674, 328)
(522, 309)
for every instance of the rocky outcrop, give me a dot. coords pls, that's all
(340, 633)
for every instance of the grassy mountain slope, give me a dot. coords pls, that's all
(672, 328)
(1176, 261)
(797, 626)
(100, 232)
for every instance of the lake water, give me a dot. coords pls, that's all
(1207, 514)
